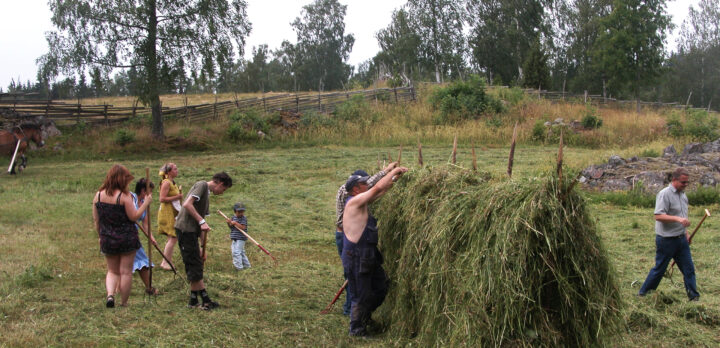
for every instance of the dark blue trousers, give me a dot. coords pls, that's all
(348, 294)
(672, 248)
(367, 283)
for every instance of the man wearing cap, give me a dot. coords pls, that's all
(362, 261)
(340, 199)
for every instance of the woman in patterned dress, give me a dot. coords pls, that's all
(114, 214)
(170, 200)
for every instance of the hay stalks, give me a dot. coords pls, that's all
(481, 262)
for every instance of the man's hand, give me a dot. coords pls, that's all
(685, 222)
(390, 167)
(398, 172)
(205, 227)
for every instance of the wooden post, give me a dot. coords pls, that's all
(215, 113)
(47, 108)
(105, 109)
(474, 163)
(412, 91)
(586, 95)
(687, 103)
(512, 151)
(187, 111)
(454, 151)
(420, 159)
(78, 111)
(399, 155)
(560, 158)
(264, 103)
(395, 91)
(297, 103)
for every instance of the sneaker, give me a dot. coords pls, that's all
(110, 302)
(209, 305)
(695, 299)
(362, 333)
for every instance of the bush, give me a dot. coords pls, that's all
(354, 109)
(463, 100)
(252, 120)
(312, 119)
(697, 124)
(591, 120)
(539, 131)
(512, 96)
(703, 196)
(649, 153)
(635, 197)
(124, 137)
(237, 133)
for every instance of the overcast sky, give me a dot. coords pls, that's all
(23, 24)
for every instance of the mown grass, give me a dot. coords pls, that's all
(52, 274)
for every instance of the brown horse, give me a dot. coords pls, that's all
(22, 134)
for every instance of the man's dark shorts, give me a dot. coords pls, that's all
(190, 251)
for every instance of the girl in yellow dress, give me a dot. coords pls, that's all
(170, 201)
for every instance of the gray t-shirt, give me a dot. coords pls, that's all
(200, 193)
(670, 201)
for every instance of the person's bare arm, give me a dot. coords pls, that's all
(190, 208)
(164, 190)
(670, 218)
(380, 188)
(95, 214)
(132, 213)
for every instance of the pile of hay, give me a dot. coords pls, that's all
(475, 261)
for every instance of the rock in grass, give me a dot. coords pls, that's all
(481, 262)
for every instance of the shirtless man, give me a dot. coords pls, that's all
(361, 258)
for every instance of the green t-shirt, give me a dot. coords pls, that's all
(186, 222)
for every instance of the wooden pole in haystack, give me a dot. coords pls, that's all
(560, 158)
(420, 160)
(237, 225)
(512, 151)
(474, 157)
(389, 158)
(707, 213)
(454, 152)
(147, 216)
(399, 156)
(337, 295)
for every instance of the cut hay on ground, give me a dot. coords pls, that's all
(475, 261)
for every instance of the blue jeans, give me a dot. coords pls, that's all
(240, 259)
(348, 296)
(668, 248)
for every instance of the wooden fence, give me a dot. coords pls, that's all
(68, 113)
(599, 100)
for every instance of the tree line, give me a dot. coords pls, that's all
(611, 47)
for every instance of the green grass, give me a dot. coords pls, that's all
(52, 274)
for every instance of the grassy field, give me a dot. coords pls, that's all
(52, 274)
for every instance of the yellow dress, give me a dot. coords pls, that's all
(166, 213)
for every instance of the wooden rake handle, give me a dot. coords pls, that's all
(707, 213)
(337, 295)
(248, 236)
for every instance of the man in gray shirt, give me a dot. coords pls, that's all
(671, 236)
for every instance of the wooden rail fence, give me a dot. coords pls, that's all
(67, 113)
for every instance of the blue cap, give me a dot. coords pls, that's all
(354, 179)
(360, 172)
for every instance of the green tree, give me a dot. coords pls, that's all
(502, 33)
(322, 47)
(537, 73)
(399, 47)
(143, 35)
(439, 26)
(630, 47)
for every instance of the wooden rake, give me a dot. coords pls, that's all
(707, 213)
(337, 295)
(248, 236)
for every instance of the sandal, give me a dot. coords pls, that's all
(209, 305)
(110, 302)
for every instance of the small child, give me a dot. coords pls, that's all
(240, 260)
